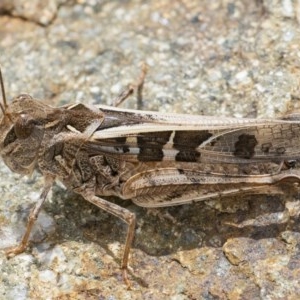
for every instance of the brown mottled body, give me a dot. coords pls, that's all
(153, 159)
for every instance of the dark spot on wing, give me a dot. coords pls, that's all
(125, 149)
(150, 154)
(290, 164)
(187, 156)
(265, 148)
(151, 145)
(180, 171)
(186, 143)
(120, 140)
(280, 150)
(214, 141)
(244, 147)
(120, 143)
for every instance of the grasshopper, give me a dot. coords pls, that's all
(153, 159)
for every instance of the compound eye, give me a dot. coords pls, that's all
(23, 126)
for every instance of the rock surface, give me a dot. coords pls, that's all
(223, 58)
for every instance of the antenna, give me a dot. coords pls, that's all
(4, 105)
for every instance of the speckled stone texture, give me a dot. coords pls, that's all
(223, 58)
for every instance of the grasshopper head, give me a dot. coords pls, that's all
(21, 132)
